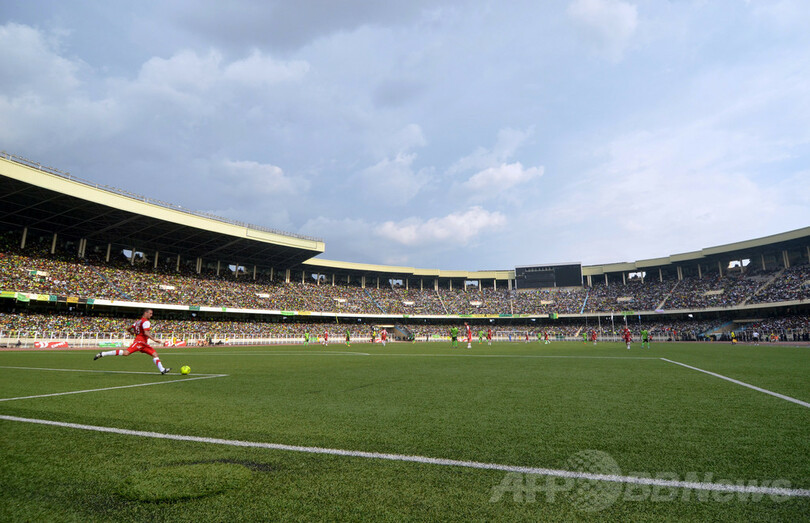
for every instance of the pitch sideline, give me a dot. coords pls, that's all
(721, 487)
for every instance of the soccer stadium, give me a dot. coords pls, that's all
(660, 389)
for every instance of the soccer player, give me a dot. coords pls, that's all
(140, 329)
(527, 337)
(645, 338)
(755, 335)
(547, 340)
(469, 335)
(326, 338)
(454, 337)
(306, 338)
(348, 338)
(384, 336)
(480, 336)
(733, 338)
(585, 337)
(593, 336)
(627, 336)
(489, 337)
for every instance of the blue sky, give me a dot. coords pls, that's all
(444, 134)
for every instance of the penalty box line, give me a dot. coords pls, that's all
(742, 383)
(182, 380)
(721, 487)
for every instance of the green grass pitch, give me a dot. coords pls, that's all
(530, 405)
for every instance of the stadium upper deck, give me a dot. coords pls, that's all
(46, 206)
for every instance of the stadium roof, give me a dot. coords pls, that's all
(49, 201)
(367, 269)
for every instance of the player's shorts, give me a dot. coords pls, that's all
(453, 338)
(140, 346)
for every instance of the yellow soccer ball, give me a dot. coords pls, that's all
(185, 369)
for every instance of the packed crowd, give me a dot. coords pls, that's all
(711, 291)
(27, 324)
(792, 284)
(42, 273)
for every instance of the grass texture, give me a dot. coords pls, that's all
(561, 406)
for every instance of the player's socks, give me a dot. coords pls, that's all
(159, 365)
(109, 353)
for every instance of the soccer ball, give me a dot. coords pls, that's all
(185, 369)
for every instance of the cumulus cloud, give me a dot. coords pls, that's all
(502, 177)
(457, 228)
(257, 179)
(508, 143)
(607, 24)
(32, 63)
(392, 181)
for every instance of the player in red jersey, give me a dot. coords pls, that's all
(140, 329)
(469, 335)
(593, 337)
(325, 338)
(384, 337)
(627, 336)
(489, 336)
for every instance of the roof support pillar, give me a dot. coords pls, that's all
(606, 281)
(25, 235)
(762, 258)
(700, 272)
(287, 276)
(362, 282)
(624, 279)
(218, 266)
(177, 267)
(680, 273)
(660, 275)
(786, 258)
(720, 268)
(109, 248)
(53, 244)
(156, 258)
(132, 256)
(254, 272)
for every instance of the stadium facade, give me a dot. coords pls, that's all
(41, 204)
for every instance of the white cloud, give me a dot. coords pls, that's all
(608, 24)
(32, 65)
(693, 186)
(457, 229)
(392, 181)
(501, 178)
(258, 70)
(508, 143)
(243, 178)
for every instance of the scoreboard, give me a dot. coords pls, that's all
(544, 276)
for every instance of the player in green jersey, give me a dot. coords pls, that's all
(645, 338)
(454, 337)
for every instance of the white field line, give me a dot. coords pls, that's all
(207, 377)
(738, 382)
(722, 487)
(426, 355)
(96, 370)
